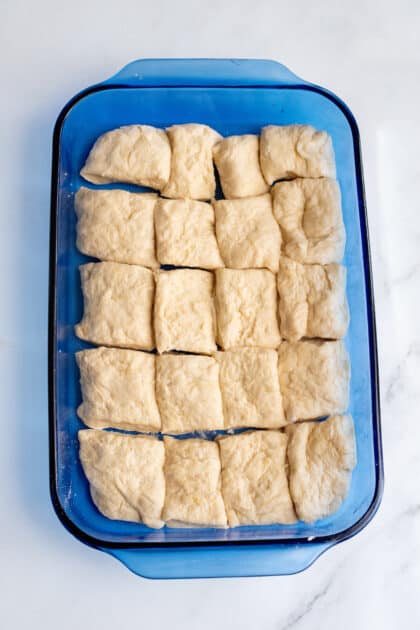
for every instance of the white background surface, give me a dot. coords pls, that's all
(367, 53)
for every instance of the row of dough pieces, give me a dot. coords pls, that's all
(245, 387)
(179, 161)
(190, 309)
(301, 219)
(254, 478)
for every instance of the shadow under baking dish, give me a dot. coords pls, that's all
(229, 110)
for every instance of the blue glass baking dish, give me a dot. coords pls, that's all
(234, 97)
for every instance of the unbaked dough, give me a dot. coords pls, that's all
(193, 484)
(118, 302)
(238, 164)
(188, 393)
(247, 233)
(246, 303)
(116, 225)
(314, 378)
(185, 234)
(184, 312)
(321, 458)
(310, 218)
(250, 388)
(254, 478)
(289, 151)
(192, 173)
(118, 389)
(137, 154)
(125, 473)
(312, 300)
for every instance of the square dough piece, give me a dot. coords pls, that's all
(116, 225)
(188, 393)
(321, 458)
(295, 151)
(193, 484)
(248, 234)
(250, 388)
(192, 173)
(118, 389)
(185, 234)
(125, 473)
(246, 303)
(312, 300)
(314, 378)
(118, 302)
(137, 154)
(184, 311)
(309, 214)
(238, 163)
(254, 478)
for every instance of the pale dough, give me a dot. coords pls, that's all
(314, 378)
(246, 303)
(254, 479)
(185, 234)
(193, 484)
(250, 388)
(116, 225)
(310, 218)
(184, 312)
(312, 300)
(238, 164)
(321, 458)
(188, 393)
(118, 389)
(247, 233)
(118, 302)
(126, 476)
(192, 173)
(137, 154)
(289, 151)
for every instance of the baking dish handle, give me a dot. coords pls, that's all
(204, 73)
(206, 562)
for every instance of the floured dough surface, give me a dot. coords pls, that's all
(321, 458)
(314, 378)
(188, 393)
(116, 225)
(310, 218)
(192, 173)
(138, 154)
(254, 478)
(312, 300)
(246, 303)
(250, 388)
(118, 302)
(184, 313)
(193, 484)
(185, 234)
(118, 389)
(238, 164)
(125, 473)
(289, 151)
(247, 232)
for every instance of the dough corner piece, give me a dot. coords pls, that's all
(125, 474)
(254, 478)
(321, 458)
(138, 154)
(118, 389)
(118, 302)
(193, 484)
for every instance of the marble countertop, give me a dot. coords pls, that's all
(370, 58)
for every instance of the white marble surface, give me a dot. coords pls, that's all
(366, 52)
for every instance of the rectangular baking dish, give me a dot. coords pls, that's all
(234, 97)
